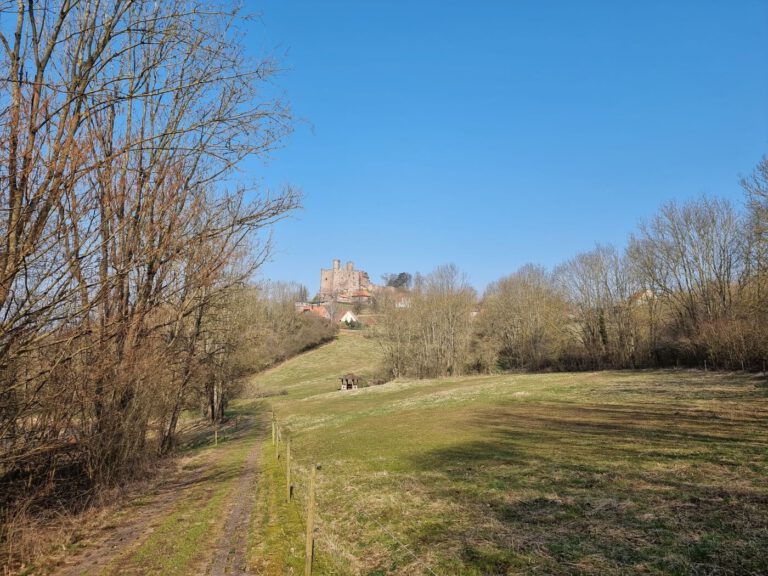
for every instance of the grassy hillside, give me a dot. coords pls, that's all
(318, 370)
(589, 473)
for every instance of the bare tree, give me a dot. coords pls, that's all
(430, 336)
(121, 123)
(756, 189)
(603, 292)
(692, 255)
(524, 314)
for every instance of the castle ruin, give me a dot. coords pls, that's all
(346, 283)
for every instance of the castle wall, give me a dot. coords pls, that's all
(337, 280)
(326, 281)
(347, 280)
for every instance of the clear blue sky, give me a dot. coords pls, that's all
(491, 134)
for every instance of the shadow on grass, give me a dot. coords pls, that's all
(600, 489)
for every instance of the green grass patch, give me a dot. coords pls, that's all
(320, 369)
(179, 542)
(659, 472)
(277, 539)
(277, 542)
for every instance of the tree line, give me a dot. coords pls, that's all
(127, 243)
(690, 289)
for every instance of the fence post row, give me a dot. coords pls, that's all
(310, 545)
(310, 535)
(274, 428)
(288, 468)
(309, 548)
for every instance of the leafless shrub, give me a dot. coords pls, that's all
(523, 317)
(427, 334)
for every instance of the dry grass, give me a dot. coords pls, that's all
(37, 540)
(659, 472)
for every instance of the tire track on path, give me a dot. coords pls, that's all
(230, 554)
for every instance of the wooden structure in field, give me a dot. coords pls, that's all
(349, 381)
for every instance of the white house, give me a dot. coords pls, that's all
(349, 318)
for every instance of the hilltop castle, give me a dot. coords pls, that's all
(344, 284)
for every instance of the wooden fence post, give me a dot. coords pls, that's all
(288, 467)
(309, 549)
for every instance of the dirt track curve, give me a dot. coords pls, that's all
(228, 556)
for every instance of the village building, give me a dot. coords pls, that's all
(327, 312)
(349, 318)
(315, 309)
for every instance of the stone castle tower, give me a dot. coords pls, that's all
(344, 282)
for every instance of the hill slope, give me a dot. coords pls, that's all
(592, 473)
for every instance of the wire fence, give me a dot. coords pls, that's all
(301, 493)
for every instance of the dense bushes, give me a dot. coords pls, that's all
(274, 331)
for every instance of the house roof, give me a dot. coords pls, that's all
(317, 310)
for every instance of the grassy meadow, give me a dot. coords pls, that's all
(657, 472)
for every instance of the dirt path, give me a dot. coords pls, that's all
(230, 555)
